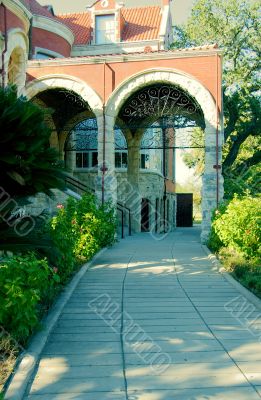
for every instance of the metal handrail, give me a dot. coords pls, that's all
(78, 184)
(122, 222)
(85, 188)
(129, 214)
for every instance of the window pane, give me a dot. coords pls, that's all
(124, 160)
(94, 159)
(85, 160)
(105, 29)
(43, 56)
(117, 160)
(78, 160)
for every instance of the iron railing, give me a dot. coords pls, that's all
(79, 187)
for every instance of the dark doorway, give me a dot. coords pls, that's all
(145, 210)
(157, 216)
(184, 209)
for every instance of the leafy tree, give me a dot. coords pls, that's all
(195, 157)
(235, 26)
(27, 163)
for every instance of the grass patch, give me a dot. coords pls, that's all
(247, 272)
(9, 351)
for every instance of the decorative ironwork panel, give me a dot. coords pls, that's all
(75, 100)
(154, 103)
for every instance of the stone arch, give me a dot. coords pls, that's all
(174, 77)
(53, 140)
(64, 134)
(71, 83)
(69, 126)
(16, 59)
(208, 105)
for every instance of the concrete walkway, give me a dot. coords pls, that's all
(171, 313)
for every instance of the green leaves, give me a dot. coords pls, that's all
(28, 165)
(24, 282)
(79, 230)
(238, 226)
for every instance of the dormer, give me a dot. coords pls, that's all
(107, 22)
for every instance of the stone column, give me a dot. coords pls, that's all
(209, 179)
(108, 179)
(134, 197)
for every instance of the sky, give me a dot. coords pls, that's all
(180, 8)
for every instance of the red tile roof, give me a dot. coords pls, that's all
(80, 25)
(37, 9)
(141, 23)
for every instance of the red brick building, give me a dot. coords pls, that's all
(119, 98)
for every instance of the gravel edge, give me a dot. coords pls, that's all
(237, 285)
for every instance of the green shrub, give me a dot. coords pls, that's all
(64, 236)
(237, 225)
(214, 241)
(80, 229)
(24, 281)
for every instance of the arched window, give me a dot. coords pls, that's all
(121, 149)
(83, 141)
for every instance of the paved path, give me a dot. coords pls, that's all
(179, 341)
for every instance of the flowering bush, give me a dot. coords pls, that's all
(80, 229)
(237, 226)
(28, 283)
(24, 282)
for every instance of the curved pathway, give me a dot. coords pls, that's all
(153, 320)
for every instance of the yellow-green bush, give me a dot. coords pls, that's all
(237, 225)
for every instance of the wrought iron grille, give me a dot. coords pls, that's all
(155, 103)
(74, 99)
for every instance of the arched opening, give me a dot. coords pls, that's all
(81, 146)
(74, 125)
(162, 119)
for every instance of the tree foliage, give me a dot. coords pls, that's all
(27, 163)
(235, 26)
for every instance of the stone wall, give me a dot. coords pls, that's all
(41, 202)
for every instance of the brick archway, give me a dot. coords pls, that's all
(211, 184)
(69, 83)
